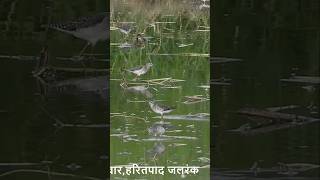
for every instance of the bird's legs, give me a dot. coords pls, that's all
(83, 49)
(80, 54)
(162, 119)
(91, 55)
(135, 78)
(155, 156)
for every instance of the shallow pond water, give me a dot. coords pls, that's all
(180, 69)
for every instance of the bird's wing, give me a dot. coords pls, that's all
(167, 108)
(79, 23)
(126, 26)
(134, 68)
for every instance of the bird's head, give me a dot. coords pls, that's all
(151, 102)
(149, 65)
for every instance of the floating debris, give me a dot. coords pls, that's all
(281, 108)
(165, 22)
(204, 160)
(52, 173)
(163, 82)
(268, 121)
(21, 164)
(195, 99)
(177, 144)
(280, 171)
(126, 115)
(51, 73)
(169, 138)
(73, 166)
(83, 125)
(19, 57)
(104, 157)
(181, 54)
(275, 116)
(124, 153)
(60, 124)
(221, 81)
(218, 60)
(85, 57)
(309, 88)
(188, 117)
(126, 46)
(204, 87)
(171, 87)
(184, 45)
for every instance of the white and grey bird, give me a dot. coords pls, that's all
(91, 28)
(159, 108)
(126, 28)
(140, 70)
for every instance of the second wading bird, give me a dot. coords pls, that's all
(91, 29)
(140, 70)
(160, 109)
(126, 28)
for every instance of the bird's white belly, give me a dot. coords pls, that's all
(92, 34)
(140, 72)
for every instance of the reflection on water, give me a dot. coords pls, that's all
(159, 112)
(266, 82)
(53, 115)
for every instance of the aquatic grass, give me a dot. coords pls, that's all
(179, 18)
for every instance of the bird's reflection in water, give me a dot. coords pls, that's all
(143, 90)
(157, 150)
(81, 100)
(157, 130)
(90, 85)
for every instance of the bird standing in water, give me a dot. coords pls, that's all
(160, 109)
(140, 70)
(140, 41)
(126, 28)
(91, 29)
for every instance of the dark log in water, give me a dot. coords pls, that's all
(219, 60)
(280, 171)
(281, 108)
(77, 70)
(275, 116)
(51, 73)
(269, 121)
(303, 79)
(51, 173)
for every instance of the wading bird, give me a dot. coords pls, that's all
(160, 109)
(125, 28)
(91, 29)
(140, 70)
(140, 41)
